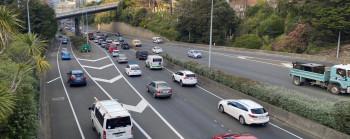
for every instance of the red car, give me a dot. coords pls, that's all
(234, 136)
(112, 47)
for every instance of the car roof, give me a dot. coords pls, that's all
(186, 71)
(156, 47)
(249, 103)
(113, 107)
(77, 71)
(121, 55)
(155, 56)
(115, 50)
(157, 82)
(134, 65)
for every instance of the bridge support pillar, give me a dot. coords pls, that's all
(77, 27)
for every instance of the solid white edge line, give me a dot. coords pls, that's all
(143, 131)
(222, 99)
(160, 116)
(53, 80)
(70, 103)
(103, 90)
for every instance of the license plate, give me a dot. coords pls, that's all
(119, 135)
(165, 91)
(262, 117)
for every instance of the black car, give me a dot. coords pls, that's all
(118, 34)
(141, 54)
(76, 77)
(125, 46)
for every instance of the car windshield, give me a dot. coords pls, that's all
(65, 53)
(118, 122)
(190, 75)
(195, 52)
(115, 51)
(144, 53)
(163, 86)
(113, 46)
(64, 49)
(78, 74)
(158, 48)
(157, 60)
(258, 111)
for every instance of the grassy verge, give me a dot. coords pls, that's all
(333, 115)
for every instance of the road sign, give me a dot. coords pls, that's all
(85, 47)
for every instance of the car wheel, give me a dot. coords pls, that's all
(335, 89)
(93, 127)
(181, 83)
(154, 95)
(84, 84)
(221, 109)
(296, 80)
(241, 120)
(70, 85)
(128, 74)
(174, 79)
(147, 89)
(265, 124)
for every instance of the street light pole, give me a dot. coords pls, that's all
(211, 31)
(28, 17)
(87, 29)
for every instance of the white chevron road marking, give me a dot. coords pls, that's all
(108, 81)
(93, 60)
(99, 68)
(139, 108)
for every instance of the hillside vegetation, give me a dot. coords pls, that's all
(298, 26)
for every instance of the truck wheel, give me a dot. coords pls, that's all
(296, 81)
(334, 89)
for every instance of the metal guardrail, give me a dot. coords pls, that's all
(87, 9)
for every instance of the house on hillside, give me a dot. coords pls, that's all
(240, 6)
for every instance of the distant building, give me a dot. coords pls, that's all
(65, 6)
(240, 6)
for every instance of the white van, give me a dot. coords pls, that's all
(111, 120)
(154, 62)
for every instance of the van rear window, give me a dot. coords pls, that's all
(157, 60)
(118, 122)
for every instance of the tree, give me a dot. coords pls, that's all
(7, 104)
(31, 46)
(250, 41)
(272, 26)
(8, 26)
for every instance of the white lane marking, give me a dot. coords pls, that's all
(142, 131)
(108, 81)
(53, 80)
(286, 131)
(139, 107)
(93, 60)
(288, 65)
(109, 96)
(241, 57)
(160, 116)
(70, 103)
(222, 98)
(99, 68)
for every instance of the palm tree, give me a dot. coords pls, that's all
(33, 47)
(8, 26)
(7, 104)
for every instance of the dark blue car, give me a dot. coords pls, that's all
(65, 56)
(76, 77)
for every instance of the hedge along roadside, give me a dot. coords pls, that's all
(335, 116)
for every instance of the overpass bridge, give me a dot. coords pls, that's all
(76, 13)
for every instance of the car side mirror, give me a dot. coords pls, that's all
(228, 103)
(90, 108)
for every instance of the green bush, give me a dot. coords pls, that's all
(77, 42)
(336, 116)
(250, 41)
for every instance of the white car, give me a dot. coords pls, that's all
(109, 41)
(116, 42)
(185, 77)
(115, 53)
(157, 40)
(246, 111)
(95, 41)
(194, 54)
(157, 50)
(133, 69)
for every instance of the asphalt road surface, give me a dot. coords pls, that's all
(190, 113)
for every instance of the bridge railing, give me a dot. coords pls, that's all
(86, 9)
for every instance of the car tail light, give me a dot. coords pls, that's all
(252, 116)
(267, 115)
(170, 91)
(158, 91)
(104, 134)
(132, 130)
(84, 77)
(71, 77)
(185, 78)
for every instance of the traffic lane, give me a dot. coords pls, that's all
(124, 93)
(206, 104)
(271, 74)
(189, 121)
(58, 101)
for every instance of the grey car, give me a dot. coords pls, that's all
(104, 44)
(122, 58)
(159, 89)
(76, 77)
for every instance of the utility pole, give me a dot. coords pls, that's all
(211, 31)
(338, 45)
(28, 17)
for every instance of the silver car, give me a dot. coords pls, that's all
(159, 89)
(122, 58)
(194, 54)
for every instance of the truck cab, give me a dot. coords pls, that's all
(340, 78)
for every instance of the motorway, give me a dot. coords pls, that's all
(190, 113)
